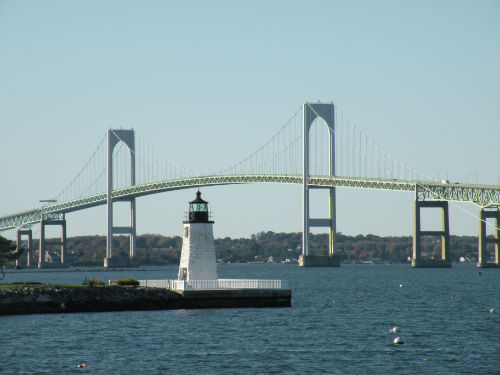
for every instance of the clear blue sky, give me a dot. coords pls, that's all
(208, 82)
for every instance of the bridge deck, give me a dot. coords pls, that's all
(481, 195)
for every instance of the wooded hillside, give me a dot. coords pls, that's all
(156, 249)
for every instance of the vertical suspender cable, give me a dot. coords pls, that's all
(385, 164)
(366, 156)
(359, 157)
(354, 158)
(348, 153)
(378, 164)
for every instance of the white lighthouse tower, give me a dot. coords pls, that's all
(198, 250)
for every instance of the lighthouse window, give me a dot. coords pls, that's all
(186, 232)
(201, 207)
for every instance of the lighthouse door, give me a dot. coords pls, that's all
(183, 274)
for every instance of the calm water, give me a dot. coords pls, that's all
(339, 323)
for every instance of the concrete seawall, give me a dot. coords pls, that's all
(55, 299)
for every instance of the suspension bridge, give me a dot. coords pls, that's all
(319, 147)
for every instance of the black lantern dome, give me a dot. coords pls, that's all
(198, 210)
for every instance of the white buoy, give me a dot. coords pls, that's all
(492, 310)
(401, 285)
(394, 329)
(398, 341)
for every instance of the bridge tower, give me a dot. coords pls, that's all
(311, 111)
(51, 219)
(29, 233)
(114, 137)
(482, 260)
(417, 260)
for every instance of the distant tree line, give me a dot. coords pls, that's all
(157, 249)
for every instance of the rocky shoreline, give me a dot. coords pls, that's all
(67, 299)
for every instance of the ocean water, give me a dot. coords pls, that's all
(339, 323)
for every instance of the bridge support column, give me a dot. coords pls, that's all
(310, 113)
(114, 137)
(53, 219)
(483, 240)
(445, 260)
(20, 233)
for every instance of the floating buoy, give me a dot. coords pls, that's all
(401, 285)
(394, 329)
(451, 297)
(398, 341)
(82, 365)
(492, 310)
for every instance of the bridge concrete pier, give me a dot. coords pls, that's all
(445, 260)
(20, 233)
(483, 240)
(118, 262)
(52, 219)
(319, 261)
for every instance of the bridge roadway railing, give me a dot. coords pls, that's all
(481, 195)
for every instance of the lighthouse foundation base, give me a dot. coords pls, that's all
(203, 299)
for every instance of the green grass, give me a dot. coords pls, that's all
(128, 281)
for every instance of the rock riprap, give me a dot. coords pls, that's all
(48, 299)
(70, 299)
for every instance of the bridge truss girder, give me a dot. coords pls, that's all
(481, 195)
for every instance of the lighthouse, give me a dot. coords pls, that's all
(198, 250)
(197, 284)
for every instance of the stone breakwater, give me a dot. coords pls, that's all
(52, 299)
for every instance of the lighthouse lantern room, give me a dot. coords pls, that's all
(198, 250)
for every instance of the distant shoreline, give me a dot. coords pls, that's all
(31, 270)
(159, 250)
(101, 269)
